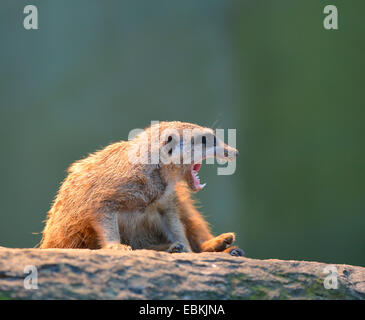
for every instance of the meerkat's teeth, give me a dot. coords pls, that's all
(201, 186)
(195, 175)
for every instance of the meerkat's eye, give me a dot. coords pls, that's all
(168, 140)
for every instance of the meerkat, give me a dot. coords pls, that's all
(111, 201)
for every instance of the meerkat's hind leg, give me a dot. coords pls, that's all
(109, 232)
(219, 243)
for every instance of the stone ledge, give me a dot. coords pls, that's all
(144, 274)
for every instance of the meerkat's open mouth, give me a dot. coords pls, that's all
(195, 180)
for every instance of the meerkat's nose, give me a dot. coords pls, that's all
(230, 152)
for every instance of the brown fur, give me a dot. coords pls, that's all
(107, 202)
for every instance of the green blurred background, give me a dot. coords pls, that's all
(294, 91)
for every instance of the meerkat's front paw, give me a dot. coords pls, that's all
(177, 247)
(117, 246)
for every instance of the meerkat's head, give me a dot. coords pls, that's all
(181, 147)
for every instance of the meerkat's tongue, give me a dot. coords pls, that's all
(194, 171)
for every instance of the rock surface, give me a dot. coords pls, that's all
(143, 274)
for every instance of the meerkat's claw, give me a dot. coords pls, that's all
(237, 252)
(228, 238)
(176, 247)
